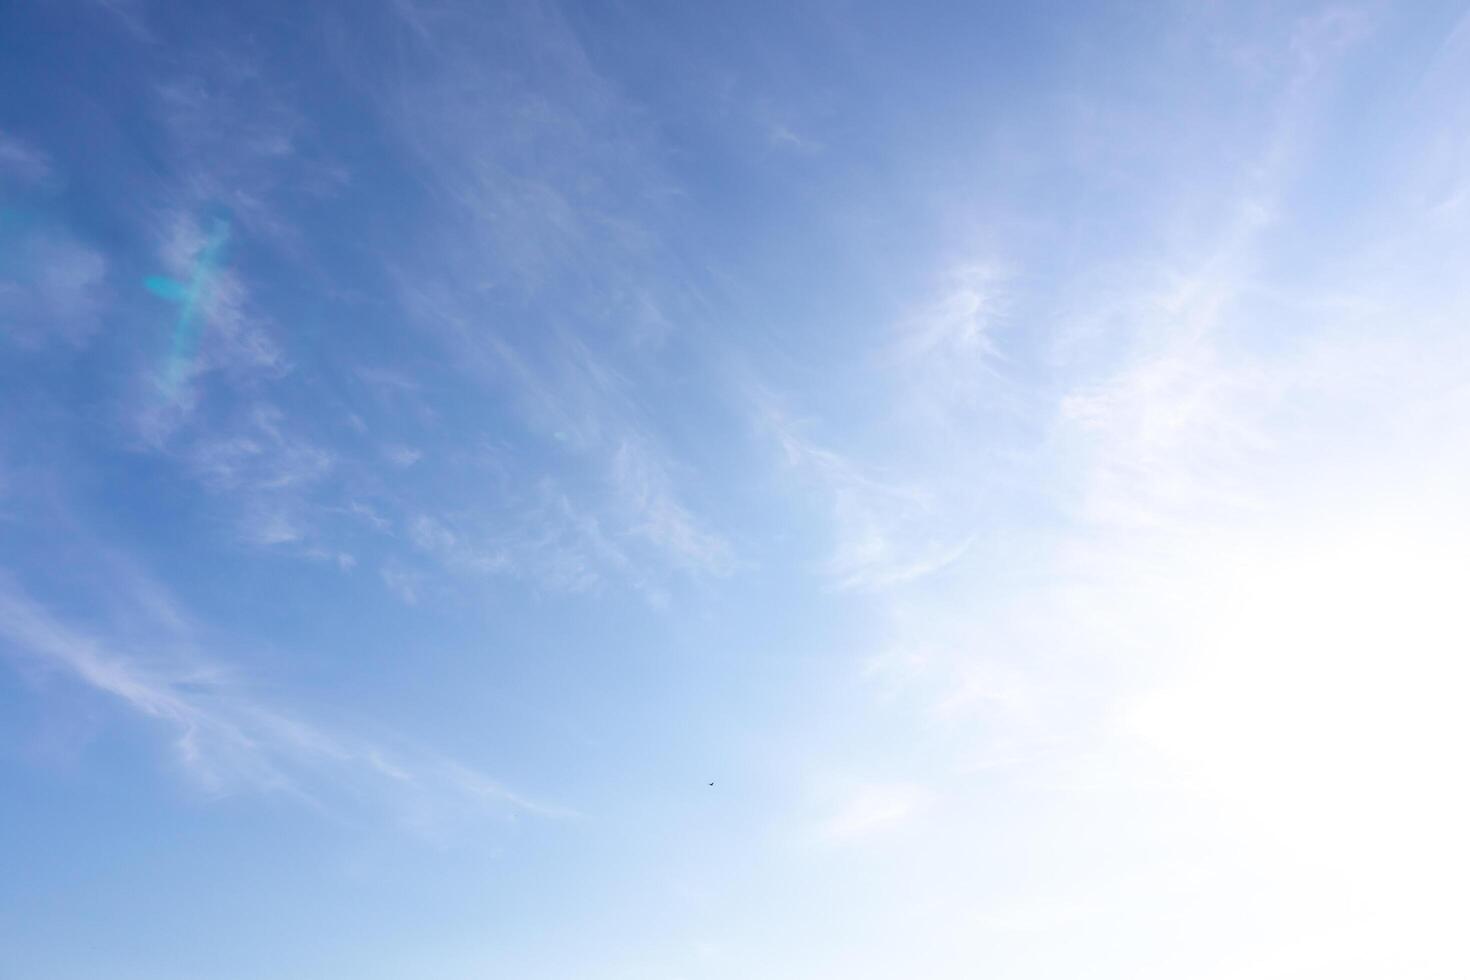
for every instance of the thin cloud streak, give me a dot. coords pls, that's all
(873, 811)
(23, 162)
(504, 155)
(223, 736)
(885, 534)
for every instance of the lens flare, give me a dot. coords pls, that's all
(190, 297)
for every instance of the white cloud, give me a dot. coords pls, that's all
(402, 582)
(53, 287)
(873, 810)
(402, 456)
(22, 162)
(231, 133)
(547, 289)
(659, 516)
(545, 538)
(273, 482)
(886, 533)
(783, 136)
(958, 324)
(366, 514)
(1219, 629)
(228, 335)
(457, 549)
(582, 405)
(269, 527)
(223, 735)
(261, 456)
(130, 14)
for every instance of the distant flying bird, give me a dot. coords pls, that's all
(711, 784)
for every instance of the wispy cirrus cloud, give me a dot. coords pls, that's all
(275, 482)
(131, 14)
(545, 537)
(260, 455)
(542, 286)
(148, 658)
(873, 810)
(1231, 582)
(22, 162)
(54, 287)
(231, 161)
(580, 405)
(53, 284)
(659, 517)
(216, 327)
(885, 532)
(954, 330)
(403, 582)
(1181, 590)
(233, 136)
(402, 456)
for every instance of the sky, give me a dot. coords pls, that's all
(685, 491)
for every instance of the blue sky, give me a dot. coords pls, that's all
(1017, 452)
